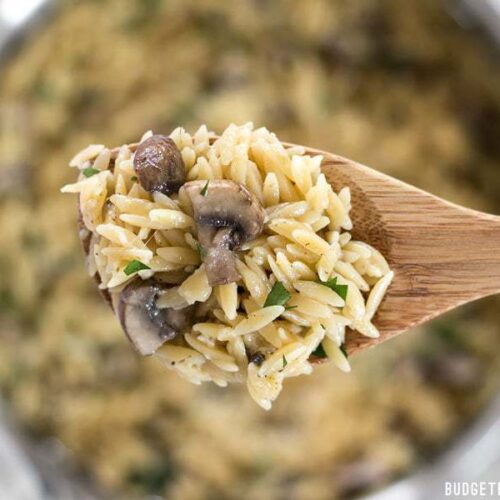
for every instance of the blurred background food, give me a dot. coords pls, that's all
(400, 86)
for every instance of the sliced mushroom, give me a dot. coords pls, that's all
(147, 326)
(360, 475)
(455, 370)
(220, 264)
(159, 165)
(226, 215)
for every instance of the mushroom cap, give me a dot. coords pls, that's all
(224, 203)
(159, 165)
(146, 326)
(226, 215)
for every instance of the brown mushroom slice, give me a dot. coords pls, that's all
(159, 165)
(146, 326)
(226, 215)
(220, 262)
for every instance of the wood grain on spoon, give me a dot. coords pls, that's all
(443, 255)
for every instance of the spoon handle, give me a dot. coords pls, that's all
(450, 252)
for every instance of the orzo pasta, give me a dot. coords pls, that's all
(229, 258)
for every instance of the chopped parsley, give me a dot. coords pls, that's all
(340, 290)
(201, 250)
(134, 266)
(133, 178)
(90, 171)
(319, 352)
(289, 308)
(285, 362)
(344, 352)
(204, 191)
(278, 296)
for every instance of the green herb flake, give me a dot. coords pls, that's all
(201, 250)
(344, 352)
(134, 266)
(319, 352)
(204, 191)
(340, 290)
(290, 308)
(285, 362)
(44, 91)
(278, 296)
(90, 171)
(133, 178)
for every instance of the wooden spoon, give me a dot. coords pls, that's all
(443, 255)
